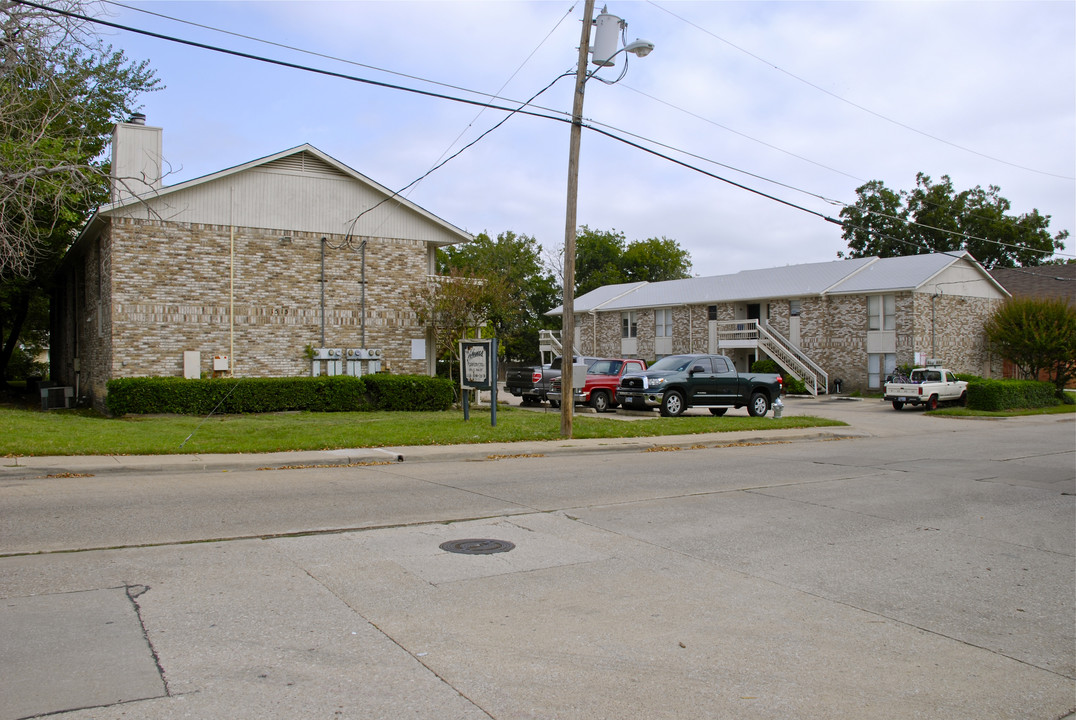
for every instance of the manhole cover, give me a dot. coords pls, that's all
(477, 546)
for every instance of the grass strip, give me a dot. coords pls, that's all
(80, 432)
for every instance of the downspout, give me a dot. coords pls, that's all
(231, 282)
(933, 351)
(690, 329)
(231, 302)
(362, 279)
(323, 292)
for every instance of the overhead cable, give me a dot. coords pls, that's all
(511, 111)
(857, 105)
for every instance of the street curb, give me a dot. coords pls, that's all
(94, 465)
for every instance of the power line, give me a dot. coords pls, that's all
(511, 111)
(744, 135)
(862, 108)
(284, 63)
(293, 48)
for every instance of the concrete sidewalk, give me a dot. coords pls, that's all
(234, 462)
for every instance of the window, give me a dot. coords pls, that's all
(711, 312)
(879, 365)
(663, 322)
(794, 307)
(628, 327)
(702, 365)
(720, 366)
(882, 312)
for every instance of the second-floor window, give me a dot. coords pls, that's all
(663, 322)
(628, 326)
(882, 312)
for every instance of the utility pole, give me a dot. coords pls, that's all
(567, 343)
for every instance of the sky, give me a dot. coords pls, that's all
(803, 101)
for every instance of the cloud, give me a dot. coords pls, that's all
(725, 82)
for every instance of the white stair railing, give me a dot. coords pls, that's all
(794, 360)
(549, 343)
(791, 359)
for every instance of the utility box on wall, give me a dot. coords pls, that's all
(363, 361)
(192, 364)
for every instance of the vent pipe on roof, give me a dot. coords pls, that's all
(137, 119)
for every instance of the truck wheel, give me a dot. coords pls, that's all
(599, 400)
(759, 405)
(672, 404)
(963, 401)
(898, 405)
(554, 403)
(932, 403)
(717, 412)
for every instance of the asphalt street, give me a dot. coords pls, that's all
(905, 566)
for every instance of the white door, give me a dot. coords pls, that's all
(794, 330)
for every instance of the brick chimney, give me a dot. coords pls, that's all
(136, 158)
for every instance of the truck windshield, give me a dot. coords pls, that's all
(605, 367)
(672, 363)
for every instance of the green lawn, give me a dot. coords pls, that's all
(1016, 412)
(78, 432)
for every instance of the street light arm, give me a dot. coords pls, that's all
(639, 48)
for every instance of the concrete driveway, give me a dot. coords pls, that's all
(908, 567)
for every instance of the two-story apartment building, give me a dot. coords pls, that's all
(249, 271)
(850, 320)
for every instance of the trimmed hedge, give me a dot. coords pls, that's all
(986, 394)
(338, 393)
(792, 386)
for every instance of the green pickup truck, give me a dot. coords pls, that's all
(678, 382)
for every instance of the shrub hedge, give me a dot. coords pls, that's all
(986, 394)
(792, 386)
(338, 393)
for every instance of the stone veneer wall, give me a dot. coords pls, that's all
(952, 331)
(170, 293)
(833, 332)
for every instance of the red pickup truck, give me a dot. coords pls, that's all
(603, 377)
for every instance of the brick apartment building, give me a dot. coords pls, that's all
(243, 272)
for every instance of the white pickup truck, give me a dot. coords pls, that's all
(928, 386)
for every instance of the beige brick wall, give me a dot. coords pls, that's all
(833, 332)
(950, 328)
(164, 288)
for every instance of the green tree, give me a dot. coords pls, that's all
(605, 258)
(519, 287)
(455, 307)
(1036, 335)
(61, 92)
(599, 259)
(656, 259)
(934, 217)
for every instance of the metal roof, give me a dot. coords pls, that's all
(852, 276)
(898, 273)
(597, 298)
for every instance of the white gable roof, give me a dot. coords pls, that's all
(853, 276)
(300, 189)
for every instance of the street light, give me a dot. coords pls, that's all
(606, 38)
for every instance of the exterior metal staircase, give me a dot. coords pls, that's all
(549, 345)
(791, 359)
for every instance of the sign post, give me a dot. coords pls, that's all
(478, 371)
